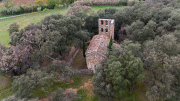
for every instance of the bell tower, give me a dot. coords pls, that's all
(106, 26)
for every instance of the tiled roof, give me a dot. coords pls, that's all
(97, 48)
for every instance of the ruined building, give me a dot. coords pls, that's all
(98, 46)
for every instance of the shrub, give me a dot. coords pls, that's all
(27, 9)
(14, 27)
(44, 6)
(45, 9)
(18, 10)
(131, 3)
(15, 11)
(8, 4)
(39, 2)
(70, 1)
(124, 2)
(22, 8)
(4, 11)
(99, 3)
(79, 8)
(39, 9)
(72, 4)
(51, 4)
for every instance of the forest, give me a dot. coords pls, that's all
(148, 54)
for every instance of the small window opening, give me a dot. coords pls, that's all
(106, 22)
(101, 22)
(106, 30)
(101, 29)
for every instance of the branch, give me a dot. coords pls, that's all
(12, 70)
(20, 71)
(7, 72)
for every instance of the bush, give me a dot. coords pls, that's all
(70, 1)
(18, 10)
(131, 3)
(72, 4)
(45, 9)
(78, 8)
(98, 3)
(39, 2)
(124, 2)
(4, 11)
(10, 9)
(14, 27)
(44, 6)
(51, 4)
(39, 9)
(8, 4)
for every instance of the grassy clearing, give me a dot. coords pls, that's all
(5, 87)
(79, 61)
(86, 95)
(96, 8)
(25, 19)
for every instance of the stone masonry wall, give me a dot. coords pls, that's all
(106, 26)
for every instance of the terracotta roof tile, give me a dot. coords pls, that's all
(97, 48)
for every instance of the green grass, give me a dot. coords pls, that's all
(79, 62)
(5, 95)
(84, 95)
(96, 8)
(25, 19)
(5, 87)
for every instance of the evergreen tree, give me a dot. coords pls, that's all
(110, 44)
(84, 49)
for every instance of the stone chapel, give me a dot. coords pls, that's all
(97, 48)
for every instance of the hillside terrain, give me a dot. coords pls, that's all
(54, 52)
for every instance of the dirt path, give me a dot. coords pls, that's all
(86, 85)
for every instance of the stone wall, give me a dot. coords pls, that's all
(82, 72)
